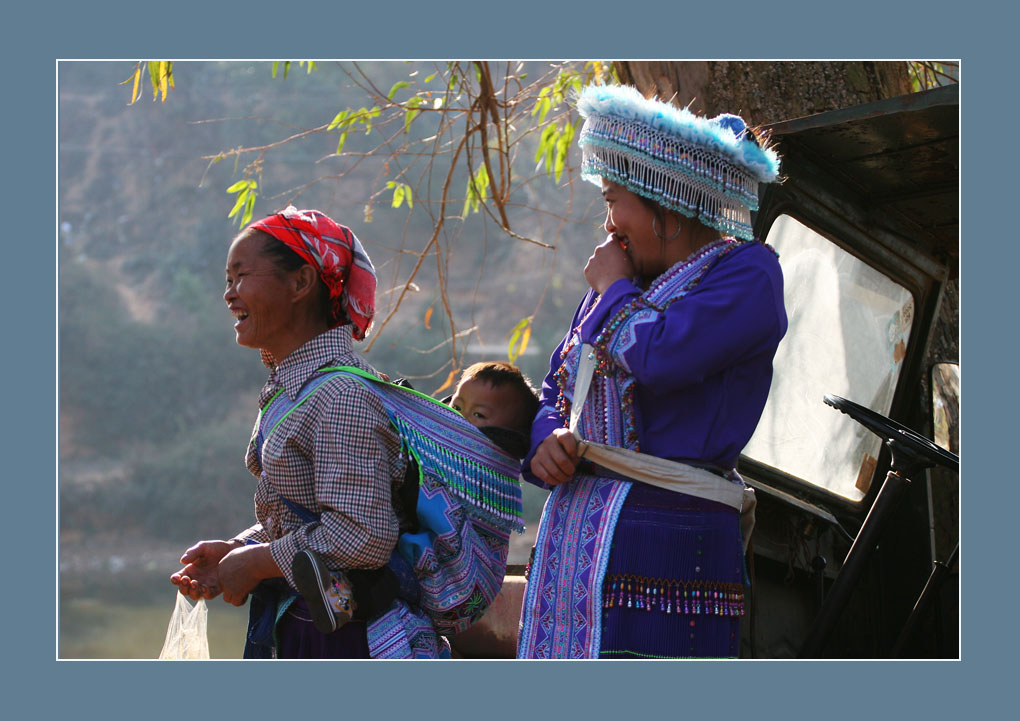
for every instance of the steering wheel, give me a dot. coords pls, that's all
(910, 450)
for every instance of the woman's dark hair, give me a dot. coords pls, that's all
(286, 260)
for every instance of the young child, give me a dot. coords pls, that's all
(496, 398)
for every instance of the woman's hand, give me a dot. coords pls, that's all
(608, 264)
(241, 570)
(556, 458)
(200, 577)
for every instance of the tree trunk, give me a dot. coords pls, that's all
(766, 92)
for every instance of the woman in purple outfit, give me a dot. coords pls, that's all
(681, 325)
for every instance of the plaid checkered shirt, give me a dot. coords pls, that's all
(337, 455)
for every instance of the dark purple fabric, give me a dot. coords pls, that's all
(661, 535)
(296, 637)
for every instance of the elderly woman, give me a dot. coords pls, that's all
(301, 288)
(643, 558)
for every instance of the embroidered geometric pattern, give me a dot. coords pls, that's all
(563, 600)
(405, 633)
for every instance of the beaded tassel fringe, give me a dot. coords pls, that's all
(692, 598)
(491, 495)
(678, 175)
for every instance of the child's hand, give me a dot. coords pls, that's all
(556, 458)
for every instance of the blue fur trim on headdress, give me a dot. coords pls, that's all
(722, 135)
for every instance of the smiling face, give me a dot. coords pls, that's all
(630, 221)
(484, 404)
(258, 295)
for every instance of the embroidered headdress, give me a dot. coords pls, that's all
(704, 168)
(336, 252)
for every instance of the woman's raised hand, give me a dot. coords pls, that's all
(556, 458)
(608, 264)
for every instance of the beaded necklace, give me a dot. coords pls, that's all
(609, 416)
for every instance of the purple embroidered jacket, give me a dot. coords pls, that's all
(702, 369)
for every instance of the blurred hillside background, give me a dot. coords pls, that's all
(156, 401)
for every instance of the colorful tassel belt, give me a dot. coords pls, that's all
(698, 598)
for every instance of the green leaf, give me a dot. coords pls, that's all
(249, 210)
(430, 77)
(412, 111)
(519, 337)
(548, 133)
(246, 194)
(338, 120)
(397, 86)
(135, 82)
(546, 107)
(398, 196)
(241, 198)
(477, 192)
(365, 117)
(153, 77)
(563, 149)
(276, 63)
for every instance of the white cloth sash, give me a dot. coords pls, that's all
(653, 470)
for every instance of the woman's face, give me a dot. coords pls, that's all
(629, 221)
(257, 295)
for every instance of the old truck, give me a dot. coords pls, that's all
(854, 463)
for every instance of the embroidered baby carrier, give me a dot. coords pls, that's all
(563, 604)
(469, 500)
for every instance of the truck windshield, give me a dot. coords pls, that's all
(848, 334)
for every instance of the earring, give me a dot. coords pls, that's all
(655, 228)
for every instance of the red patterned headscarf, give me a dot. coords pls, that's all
(343, 264)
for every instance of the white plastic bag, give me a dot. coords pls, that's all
(186, 635)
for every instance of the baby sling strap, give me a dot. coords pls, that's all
(468, 500)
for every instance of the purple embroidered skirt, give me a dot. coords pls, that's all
(673, 586)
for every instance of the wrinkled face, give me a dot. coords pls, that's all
(486, 405)
(630, 222)
(256, 295)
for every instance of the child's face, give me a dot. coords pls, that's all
(486, 405)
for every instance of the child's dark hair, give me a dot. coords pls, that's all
(498, 373)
